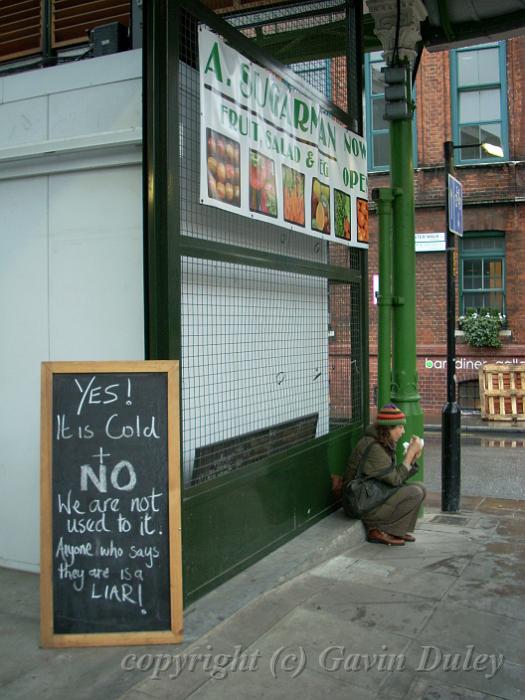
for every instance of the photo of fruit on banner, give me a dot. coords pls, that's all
(320, 206)
(362, 220)
(263, 190)
(342, 214)
(224, 174)
(293, 196)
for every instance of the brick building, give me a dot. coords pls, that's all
(467, 95)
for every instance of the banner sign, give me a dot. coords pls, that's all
(269, 152)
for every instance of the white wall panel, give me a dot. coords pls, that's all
(24, 324)
(23, 122)
(72, 76)
(96, 290)
(71, 276)
(97, 109)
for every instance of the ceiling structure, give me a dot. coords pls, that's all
(449, 23)
(462, 22)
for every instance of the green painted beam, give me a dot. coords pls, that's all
(312, 43)
(238, 255)
(447, 32)
(445, 19)
(329, 40)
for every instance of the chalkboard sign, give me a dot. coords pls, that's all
(110, 504)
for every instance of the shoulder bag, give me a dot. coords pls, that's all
(364, 493)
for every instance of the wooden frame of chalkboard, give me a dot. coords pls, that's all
(111, 559)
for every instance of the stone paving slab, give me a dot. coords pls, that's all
(309, 683)
(435, 545)
(455, 626)
(385, 575)
(20, 594)
(332, 647)
(500, 505)
(422, 689)
(490, 596)
(450, 666)
(84, 674)
(373, 608)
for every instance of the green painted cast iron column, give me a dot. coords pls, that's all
(405, 391)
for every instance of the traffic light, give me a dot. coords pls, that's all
(398, 100)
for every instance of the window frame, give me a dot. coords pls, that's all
(482, 254)
(485, 158)
(369, 98)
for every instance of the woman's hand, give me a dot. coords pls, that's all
(414, 450)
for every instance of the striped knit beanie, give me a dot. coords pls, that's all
(390, 416)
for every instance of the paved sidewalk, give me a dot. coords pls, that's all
(328, 614)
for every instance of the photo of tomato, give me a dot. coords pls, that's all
(293, 196)
(320, 206)
(263, 190)
(342, 214)
(223, 159)
(362, 220)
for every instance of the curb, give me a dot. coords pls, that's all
(487, 430)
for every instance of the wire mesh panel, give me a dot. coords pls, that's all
(270, 356)
(267, 363)
(254, 356)
(344, 366)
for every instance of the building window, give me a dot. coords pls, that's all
(378, 128)
(479, 101)
(482, 276)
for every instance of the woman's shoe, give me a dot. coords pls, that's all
(408, 537)
(380, 537)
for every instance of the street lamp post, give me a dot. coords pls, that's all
(451, 415)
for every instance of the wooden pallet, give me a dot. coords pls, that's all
(502, 392)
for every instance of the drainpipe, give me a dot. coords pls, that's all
(384, 197)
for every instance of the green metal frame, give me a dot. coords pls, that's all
(235, 519)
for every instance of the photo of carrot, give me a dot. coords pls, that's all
(293, 196)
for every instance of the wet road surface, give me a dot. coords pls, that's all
(492, 466)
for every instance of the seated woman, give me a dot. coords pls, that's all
(391, 522)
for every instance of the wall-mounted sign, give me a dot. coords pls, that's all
(455, 206)
(269, 152)
(430, 242)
